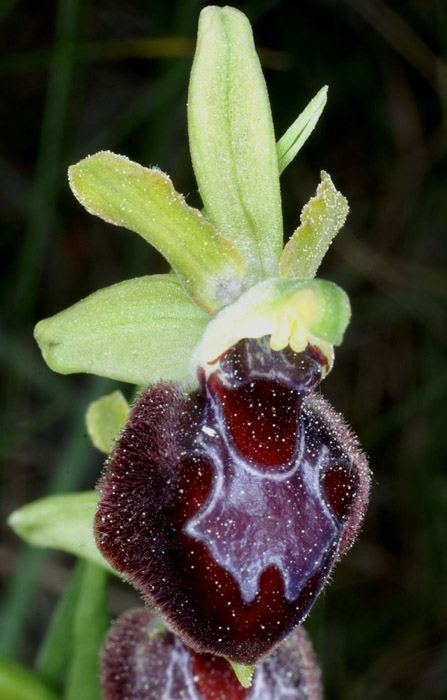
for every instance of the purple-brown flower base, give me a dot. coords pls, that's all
(142, 660)
(228, 507)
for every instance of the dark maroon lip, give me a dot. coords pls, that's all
(228, 507)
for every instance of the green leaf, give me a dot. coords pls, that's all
(140, 331)
(90, 626)
(105, 418)
(144, 200)
(296, 135)
(54, 653)
(62, 522)
(321, 219)
(18, 683)
(232, 140)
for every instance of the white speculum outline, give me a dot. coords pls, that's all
(179, 673)
(247, 560)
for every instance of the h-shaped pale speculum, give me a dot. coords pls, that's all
(294, 313)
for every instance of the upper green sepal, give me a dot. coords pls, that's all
(232, 140)
(297, 134)
(104, 419)
(321, 219)
(291, 312)
(62, 522)
(140, 331)
(144, 200)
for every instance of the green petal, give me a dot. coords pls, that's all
(140, 331)
(297, 134)
(232, 140)
(125, 194)
(64, 522)
(104, 418)
(321, 219)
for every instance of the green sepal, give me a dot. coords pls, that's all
(63, 522)
(321, 219)
(291, 312)
(243, 673)
(232, 140)
(140, 331)
(18, 683)
(104, 419)
(297, 134)
(144, 200)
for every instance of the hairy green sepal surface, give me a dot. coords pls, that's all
(139, 331)
(144, 200)
(232, 141)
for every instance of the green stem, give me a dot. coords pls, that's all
(54, 654)
(90, 626)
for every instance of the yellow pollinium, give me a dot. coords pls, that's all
(293, 321)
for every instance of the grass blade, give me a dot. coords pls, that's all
(54, 653)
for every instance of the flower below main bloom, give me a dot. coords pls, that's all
(142, 660)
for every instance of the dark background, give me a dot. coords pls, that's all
(68, 90)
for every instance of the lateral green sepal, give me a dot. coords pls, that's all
(321, 219)
(297, 134)
(139, 331)
(144, 200)
(64, 522)
(232, 140)
(104, 419)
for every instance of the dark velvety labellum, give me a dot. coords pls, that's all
(142, 660)
(228, 507)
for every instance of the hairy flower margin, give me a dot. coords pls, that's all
(232, 344)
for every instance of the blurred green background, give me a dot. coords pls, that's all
(82, 75)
